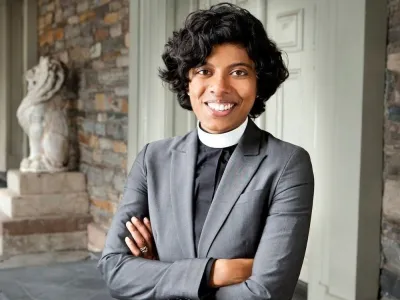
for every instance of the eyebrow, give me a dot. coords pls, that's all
(243, 64)
(238, 64)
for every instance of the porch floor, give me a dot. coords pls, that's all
(78, 280)
(75, 280)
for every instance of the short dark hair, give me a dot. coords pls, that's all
(223, 23)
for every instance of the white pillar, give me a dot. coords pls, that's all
(345, 250)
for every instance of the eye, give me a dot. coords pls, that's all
(239, 73)
(203, 72)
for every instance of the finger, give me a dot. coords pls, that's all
(144, 232)
(147, 239)
(140, 241)
(131, 245)
(137, 237)
(148, 225)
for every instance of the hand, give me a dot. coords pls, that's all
(230, 271)
(142, 237)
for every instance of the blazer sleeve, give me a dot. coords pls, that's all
(280, 254)
(130, 277)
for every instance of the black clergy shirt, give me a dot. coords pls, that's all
(210, 165)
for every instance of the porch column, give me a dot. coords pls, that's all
(345, 246)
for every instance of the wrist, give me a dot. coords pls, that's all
(217, 275)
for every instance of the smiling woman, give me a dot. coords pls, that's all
(222, 92)
(222, 212)
(223, 58)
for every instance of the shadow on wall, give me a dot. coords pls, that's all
(71, 95)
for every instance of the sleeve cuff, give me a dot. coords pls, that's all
(205, 289)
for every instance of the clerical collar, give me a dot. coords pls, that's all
(221, 140)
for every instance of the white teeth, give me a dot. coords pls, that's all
(220, 107)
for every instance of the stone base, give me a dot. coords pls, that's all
(39, 243)
(43, 213)
(44, 234)
(45, 183)
(40, 259)
(96, 237)
(18, 206)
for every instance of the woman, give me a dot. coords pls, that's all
(224, 211)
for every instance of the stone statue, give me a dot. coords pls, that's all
(42, 115)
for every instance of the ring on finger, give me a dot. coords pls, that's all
(144, 249)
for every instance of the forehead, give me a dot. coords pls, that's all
(228, 53)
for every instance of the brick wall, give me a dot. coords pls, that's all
(390, 239)
(91, 37)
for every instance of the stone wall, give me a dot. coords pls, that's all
(390, 276)
(91, 38)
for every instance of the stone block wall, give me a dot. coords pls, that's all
(91, 38)
(390, 239)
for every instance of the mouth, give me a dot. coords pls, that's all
(220, 109)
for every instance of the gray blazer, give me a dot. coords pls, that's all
(261, 210)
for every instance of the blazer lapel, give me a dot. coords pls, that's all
(183, 166)
(239, 171)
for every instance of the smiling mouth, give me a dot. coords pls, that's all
(220, 106)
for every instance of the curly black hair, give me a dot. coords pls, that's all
(223, 23)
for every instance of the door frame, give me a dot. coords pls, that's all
(151, 23)
(27, 56)
(344, 257)
(4, 84)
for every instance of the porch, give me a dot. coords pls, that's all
(352, 116)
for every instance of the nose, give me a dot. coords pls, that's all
(219, 85)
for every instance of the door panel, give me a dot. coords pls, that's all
(291, 111)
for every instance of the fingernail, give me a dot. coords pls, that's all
(134, 219)
(146, 220)
(128, 224)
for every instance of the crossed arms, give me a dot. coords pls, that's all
(276, 266)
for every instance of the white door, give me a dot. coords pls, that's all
(291, 112)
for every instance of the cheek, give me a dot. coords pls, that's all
(196, 89)
(248, 93)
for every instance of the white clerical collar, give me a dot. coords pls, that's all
(221, 140)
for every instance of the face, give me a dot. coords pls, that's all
(222, 92)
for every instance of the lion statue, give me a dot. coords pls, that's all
(42, 116)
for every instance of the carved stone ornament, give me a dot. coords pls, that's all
(42, 116)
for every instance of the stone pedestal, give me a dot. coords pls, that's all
(43, 213)
(96, 237)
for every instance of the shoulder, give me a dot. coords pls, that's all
(291, 160)
(285, 156)
(282, 149)
(164, 147)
